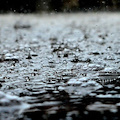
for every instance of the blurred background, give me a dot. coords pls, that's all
(29, 6)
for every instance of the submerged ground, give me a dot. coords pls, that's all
(60, 66)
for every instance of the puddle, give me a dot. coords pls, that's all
(59, 70)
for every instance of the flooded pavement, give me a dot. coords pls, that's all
(60, 67)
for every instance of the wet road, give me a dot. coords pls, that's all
(64, 66)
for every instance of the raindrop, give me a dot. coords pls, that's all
(29, 55)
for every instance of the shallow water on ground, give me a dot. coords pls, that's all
(63, 66)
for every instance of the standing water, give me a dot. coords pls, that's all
(64, 66)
